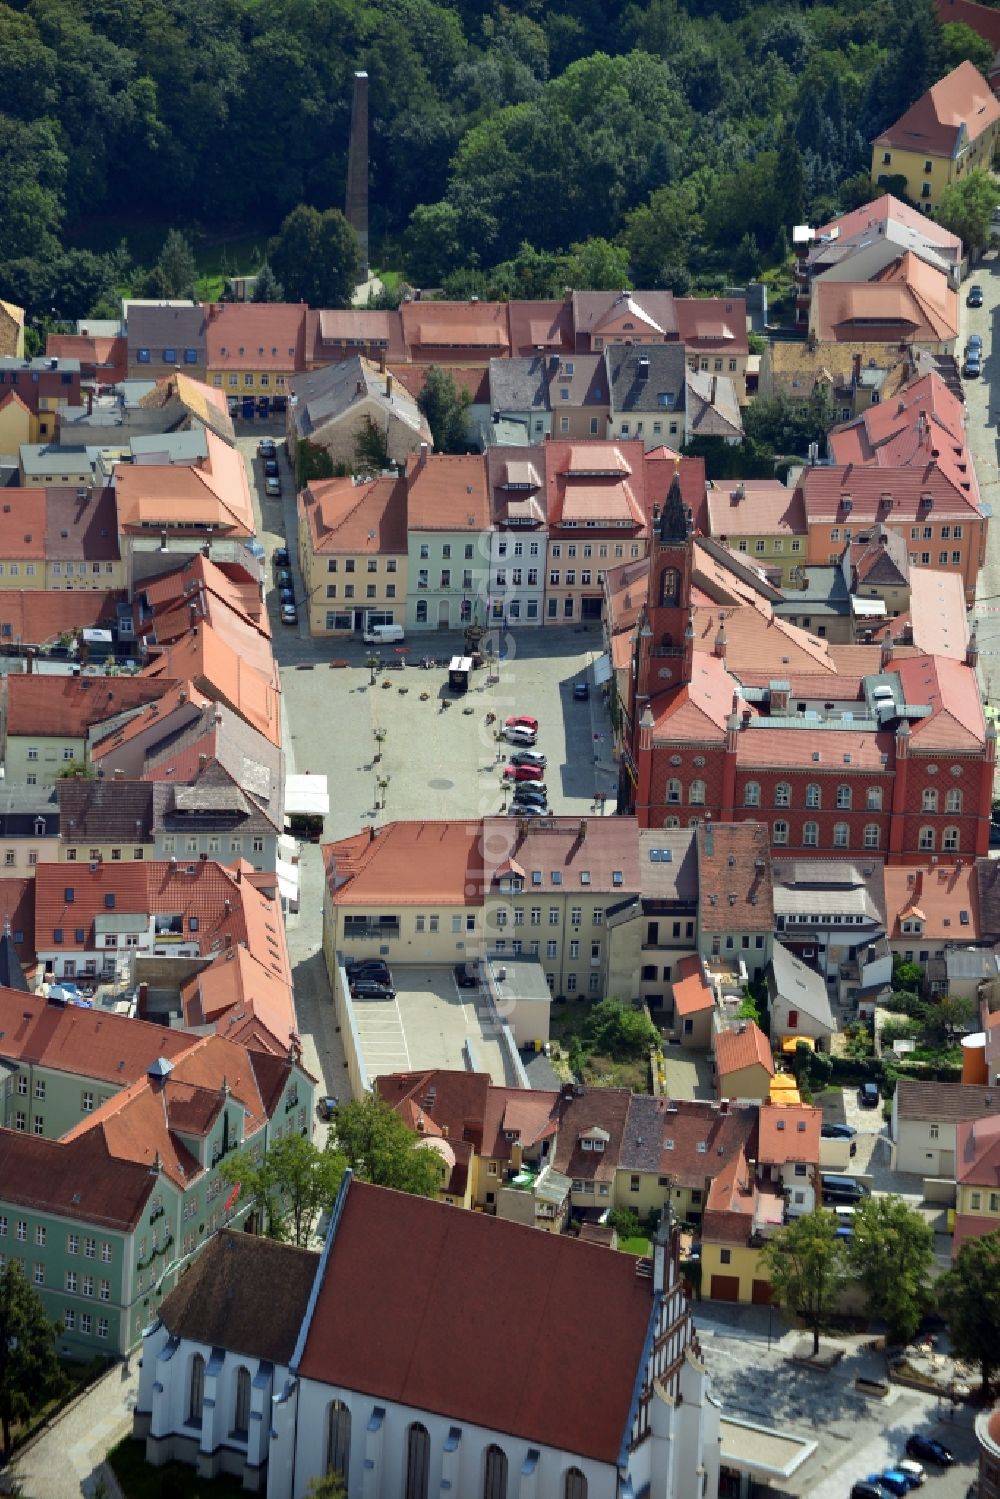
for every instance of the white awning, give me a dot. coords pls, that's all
(307, 795)
(602, 670)
(288, 881)
(868, 608)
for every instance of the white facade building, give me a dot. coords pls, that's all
(435, 1351)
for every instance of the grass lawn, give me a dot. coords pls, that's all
(638, 1245)
(139, 1481)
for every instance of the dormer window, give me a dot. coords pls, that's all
(586, 1144)
(597, 1145)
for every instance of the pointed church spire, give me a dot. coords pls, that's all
(675, 522)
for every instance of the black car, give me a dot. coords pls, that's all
(930, 1450)
(868, 1490)
(271, 470)
(280, 557)
(466, 975)
(366, 988)
(838, 1131)
(370, 968)
(266, 447)
(581, 692)
(868, 1095)
(283, 577)
(975, 297)
(326, 1106)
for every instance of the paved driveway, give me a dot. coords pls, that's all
(982, 399)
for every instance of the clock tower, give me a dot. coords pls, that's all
(666, 631)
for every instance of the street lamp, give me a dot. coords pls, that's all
(379, 741)
(382, 786)
(372, 663)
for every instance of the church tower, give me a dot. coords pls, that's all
(666, 632)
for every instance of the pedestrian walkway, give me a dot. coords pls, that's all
(62, 1461)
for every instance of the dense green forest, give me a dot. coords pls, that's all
(511, 144)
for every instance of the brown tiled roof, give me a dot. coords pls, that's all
(102, 358)
(408, 863)
(755, 507)
(65, 707)
(213, 493)
(825, 489)
(689, 1141)
(591, 1109)
(788, 1133)
(400, 1314)
(78, 1179)
(887, 209)
(743, 1046)
(945, 1103)
(734, 860)
(105, 811)
(433, 328)
(718, 324)
(595, 854)
(80, 529)
(970, 1226)
(442, 1105)
(239, 671)
(932, 125)
(17, 905)
(988, 890)
(243, 1293)
(198, 575)
(937, 895)
(363, 519)
(545, 325)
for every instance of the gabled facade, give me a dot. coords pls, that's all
(950, 131)
(353, 553)
(448, 547)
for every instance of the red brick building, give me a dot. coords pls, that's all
(838, 749)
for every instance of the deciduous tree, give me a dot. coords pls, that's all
(316, 257)
(891, 1252)
(29, 1368)
(967, 206)
(969, 1299)
(807, 1268)
(290, 1187)
(379, 1148)
(445, 406)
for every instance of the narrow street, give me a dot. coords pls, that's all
(982, 399)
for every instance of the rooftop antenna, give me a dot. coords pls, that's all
(357, 166)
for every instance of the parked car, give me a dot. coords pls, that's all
(930, 1449)
(529, 809)
(892, 1480)
(283, 578)
(581, 692)
(531, 803)
(838, 1189)
(838, 1131)
(868, 1095)
(975, 297)
(975, 344)
(523, 772)
(372, 968)
(266, 447)
(272, 487)
(521, 721)
(868, 1490)
(280, 557)
(286, 596)
(289, 614)
(326, 1106)
(913, 1471)
(371, 989)
(271, 467)
(528, 757)
(518, 734)
(973, 367)
(467, 974)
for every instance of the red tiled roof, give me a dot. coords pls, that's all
(886, 209)
(219, 668)
(246, 999)
(970, 1226)
(950, 688)
(600, 854)
(231, 585)
(788, 1133)
(932, 125)
(17, 905)
(755, 507)
(432, 326)
(744, 1046)
(793, 746)
(713, 323)
(102, 358)
(977, 1153)
(22, 525)
(212, 494)
(91, 1043)
(982, 19)
(476, 380)
(936, 894)
(447, 493)
(734, 877)
(408, 863)
(692, 992)
(363, 519)
(685, 1139)
(592, 1109)
(66, 707)
(401, 1314)
(256, 336)
(825, 489)
(36, 616)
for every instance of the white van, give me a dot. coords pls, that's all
(383, 634)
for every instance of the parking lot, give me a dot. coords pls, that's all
(431, 1022)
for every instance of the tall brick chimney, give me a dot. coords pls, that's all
(356, 210)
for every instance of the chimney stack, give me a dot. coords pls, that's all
(356, 209)
(388, 387)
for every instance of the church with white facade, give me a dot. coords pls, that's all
(430, 1351)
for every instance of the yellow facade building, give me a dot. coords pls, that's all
(949, 132)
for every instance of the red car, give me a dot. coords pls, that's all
(523, 772)
(521, 721)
